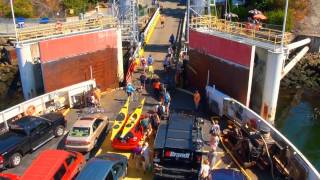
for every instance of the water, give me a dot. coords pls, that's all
(296, 120)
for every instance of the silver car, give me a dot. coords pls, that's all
(85, 132)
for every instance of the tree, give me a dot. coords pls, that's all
(22, 8)
(78, 6)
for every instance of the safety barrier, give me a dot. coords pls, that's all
(242, 29)
(49, 101)
(65, 28)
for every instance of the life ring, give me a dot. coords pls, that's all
(31, 110)
(58, 26)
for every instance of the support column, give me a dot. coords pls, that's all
(26, 70)
(274, 67)
(120, 56)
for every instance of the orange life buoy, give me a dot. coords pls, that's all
(31, 110)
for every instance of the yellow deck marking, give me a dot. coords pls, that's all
(66, 112)
(217, 164)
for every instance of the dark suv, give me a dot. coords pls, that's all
(177, 151)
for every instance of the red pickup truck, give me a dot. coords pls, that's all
(55, 165)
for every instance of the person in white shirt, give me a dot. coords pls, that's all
(205, 170)
(145, 152)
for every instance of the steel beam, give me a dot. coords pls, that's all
(294, 61)
(298, 44)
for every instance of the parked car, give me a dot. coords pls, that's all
(28, 134)
(55, 164)
(8, 176)
(107, 166)
(85, 132)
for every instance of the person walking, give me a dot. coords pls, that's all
(145, 152)
(156, 88)
(143, 63)
(214, 141)
(150, 60)
(130, 89)
(196, 99)
(170, 51)
(167, 100)
(171, 39)
(143, 79)
(150, 73)
(160, 109)
(97, 95)
(166, 63)
(215, 129)
(212, 156)
(162, 19)
(155, 121)
(204, 170)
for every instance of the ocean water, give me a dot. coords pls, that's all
(299, 121)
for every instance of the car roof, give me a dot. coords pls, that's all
(83, 123)
(25, 120)
(99, 167)
(52, 115)
(46, 165)
(95, 169)
(177, 133)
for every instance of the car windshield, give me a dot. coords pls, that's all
(79, 132)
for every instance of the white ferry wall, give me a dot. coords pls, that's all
(229, 107)
(62, 97)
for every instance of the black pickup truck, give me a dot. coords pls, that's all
(178, 148)
(28, 134)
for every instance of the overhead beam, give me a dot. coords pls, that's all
(294, 61)
(298, 44)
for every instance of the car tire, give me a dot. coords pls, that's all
(15, 160)
(59, 131)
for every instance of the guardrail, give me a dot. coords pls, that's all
(242, 29)
(49, 101)
(147, 34)
(64, 28)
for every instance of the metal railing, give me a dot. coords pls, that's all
(59, 98)
(241, 29)
(65, 28)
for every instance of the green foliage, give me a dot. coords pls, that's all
(22, 8)
(241, 11)
(276, 17)
(78, 6)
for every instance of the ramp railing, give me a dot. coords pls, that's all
(248, 30)
(65, 28)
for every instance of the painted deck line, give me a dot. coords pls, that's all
(66, 112)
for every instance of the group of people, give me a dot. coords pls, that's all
(142, 153)
(209, 163)
(142, 156)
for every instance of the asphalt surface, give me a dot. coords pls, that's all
(113, 101)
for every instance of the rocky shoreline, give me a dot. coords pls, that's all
(306, 74)
(7, 75)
